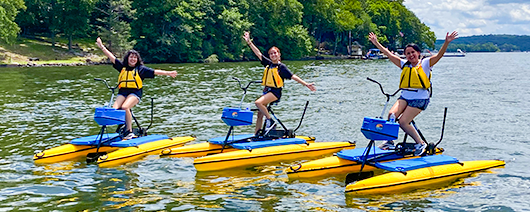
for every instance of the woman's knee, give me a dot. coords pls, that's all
(127, 108)
(116, 105)
(403, 122)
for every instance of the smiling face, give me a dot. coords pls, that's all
(132, 60)
(274, 54)
(413, 54)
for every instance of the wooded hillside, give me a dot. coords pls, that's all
(193, 30)
(489, 43)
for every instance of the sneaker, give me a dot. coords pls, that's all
(269, 125)
(129, 136)
(387, 145)
(420, 149)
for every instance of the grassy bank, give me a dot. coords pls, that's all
(39, 50)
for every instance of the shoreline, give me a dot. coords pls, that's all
(316, 58)
(28, 65)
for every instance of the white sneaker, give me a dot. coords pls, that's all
(387, 145)
(420, 149)
(269, 125)
(130, 136)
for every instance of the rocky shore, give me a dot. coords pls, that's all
(30, 64)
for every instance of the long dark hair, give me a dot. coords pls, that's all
(414, 46)
(126, 58)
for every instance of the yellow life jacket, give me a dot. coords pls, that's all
(271, 77)
(414, 77)
(129, 79)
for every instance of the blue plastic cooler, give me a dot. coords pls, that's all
(379, 129)
(105, 116)
(237, 116)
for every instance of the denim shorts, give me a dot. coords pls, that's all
(417, 103)
(134, 92)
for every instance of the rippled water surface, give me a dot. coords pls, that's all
(40, 108)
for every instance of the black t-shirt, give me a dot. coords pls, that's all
(284, 72)
(144, 71)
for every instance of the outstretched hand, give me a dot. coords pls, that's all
(372, 37)
(311, 86)
(451, 37)
(172, 74)
(246, 36)
(99, 43)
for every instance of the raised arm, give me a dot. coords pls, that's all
(448, 38)
(392, 57)
(109, 54)
(311, 86)
(167, 73)
(255, 49)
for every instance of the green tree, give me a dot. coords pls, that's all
(191, 30)
(33, 19)
(487, 47)
(225, 24)
(344, 21)
(386, 19)
(351, 20)
(54, 20)
(279, 23)
(364, 28)
(170, 30)
(115, 29)
(8, 12)
(413, 30)
(57, 16)
(318, 17)
(74, 17)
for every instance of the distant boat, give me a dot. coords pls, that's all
(400, 53)
(375, 54)
(458, 53)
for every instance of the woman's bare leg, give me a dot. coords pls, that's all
(262, 103)
(404, 122)
(129, 103)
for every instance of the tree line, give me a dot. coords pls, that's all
(192, 30)
(490, 43)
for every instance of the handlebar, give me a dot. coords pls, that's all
(248, 85)
(387, 95)
(244, 88)
(110, 88)
(106, 84)
(381, 87)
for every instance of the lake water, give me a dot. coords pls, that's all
(488, 118)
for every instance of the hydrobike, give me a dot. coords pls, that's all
(342, 164)
(245, 150)
(372, 170)
(108, 149)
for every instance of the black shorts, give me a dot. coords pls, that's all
(128, 91)
(277, 92)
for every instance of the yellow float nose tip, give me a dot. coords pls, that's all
(297, 168)
(40, 154)
(104, 157)
(166, 151)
